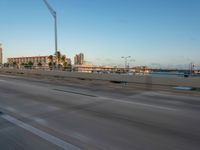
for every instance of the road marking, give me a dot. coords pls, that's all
(75, 92)
(2, 80)
(141, 104)
(50, 138)
(9, 76)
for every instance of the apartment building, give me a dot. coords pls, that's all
(34, 59)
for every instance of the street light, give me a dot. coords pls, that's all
(126, 60)
(132, 60)
(53, 13)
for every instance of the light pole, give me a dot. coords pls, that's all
(132, 60)
(126, 60)
(53, 13)
(192, 67)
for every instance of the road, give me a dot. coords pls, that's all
(37, 114)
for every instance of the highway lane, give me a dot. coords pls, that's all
(14, 137)
(90, 117)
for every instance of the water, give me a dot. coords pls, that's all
(171, 74)
(166, 74)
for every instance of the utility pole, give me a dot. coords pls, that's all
(54, 14)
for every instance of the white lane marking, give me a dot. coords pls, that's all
(52, 108)
(141, 104)
(10, 76)
(50, 138)
(172, 95)
(39, 120)
(2, 80)
(11, 109)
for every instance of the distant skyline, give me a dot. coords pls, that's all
(153, 32)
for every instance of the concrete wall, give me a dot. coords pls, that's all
(171, 81)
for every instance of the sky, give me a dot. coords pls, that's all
(153, 32)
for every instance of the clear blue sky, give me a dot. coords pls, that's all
(151, 31)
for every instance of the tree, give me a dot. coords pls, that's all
(14, 64)
(39, 64)
(6, 64)
(64, 65)
(25, 65)
(50, 58)
(58, 57)
(58, 61)
(69, 67)
(63, 59)
(30, 64)
(50, 65)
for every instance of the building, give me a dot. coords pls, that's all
(94, 69)
(1, 54)
(79, 59)
(141, 69)
(25, 60)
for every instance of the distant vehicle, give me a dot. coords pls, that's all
(186, 75)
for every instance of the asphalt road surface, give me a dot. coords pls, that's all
(42, 115)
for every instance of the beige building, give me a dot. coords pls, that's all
(92, 68)
(35, 60)
(1, 54)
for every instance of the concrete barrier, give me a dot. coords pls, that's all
(167, 81)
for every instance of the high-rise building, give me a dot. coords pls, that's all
(1, 54)
(79, 59)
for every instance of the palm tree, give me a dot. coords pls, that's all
(50, 62)
(58, 57)
(65, 64)
(50, 65)
(50, 58)
(63, 59)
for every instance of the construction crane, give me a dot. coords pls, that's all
(54, 14)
